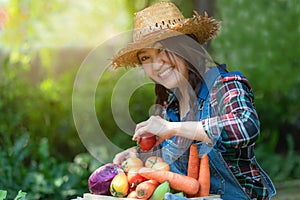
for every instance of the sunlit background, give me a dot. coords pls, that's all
(44, 43)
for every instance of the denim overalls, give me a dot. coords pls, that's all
(175, 151)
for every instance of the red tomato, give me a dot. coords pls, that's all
(147, 141)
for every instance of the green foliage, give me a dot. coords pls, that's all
(40, 150)
(20, 196)
(140, 102)
(41, 175)
(58, 23)
(38, 138)
(280, 167)
(3, 194)
(30, 108)
(259, 38)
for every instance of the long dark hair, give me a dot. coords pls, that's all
(196, 59)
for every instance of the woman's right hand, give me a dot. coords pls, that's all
(123, 155)
(157, 126)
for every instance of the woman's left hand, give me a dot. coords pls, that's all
(156, 126)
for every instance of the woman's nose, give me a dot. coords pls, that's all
(157, 64)
(159, 61)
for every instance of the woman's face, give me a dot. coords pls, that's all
(157, 65)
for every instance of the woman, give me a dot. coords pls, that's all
(197, 100)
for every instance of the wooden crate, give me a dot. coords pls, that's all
(88, 196)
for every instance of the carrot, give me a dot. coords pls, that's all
(133, 195)
(145, 189)
(178, 182)
(193, 164)
(204, 176)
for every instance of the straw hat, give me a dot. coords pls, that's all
(161, 21)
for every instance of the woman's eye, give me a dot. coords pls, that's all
(160, 50)
(144, 58)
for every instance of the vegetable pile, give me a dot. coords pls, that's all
(153, 179)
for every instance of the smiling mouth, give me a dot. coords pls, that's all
(166, 72)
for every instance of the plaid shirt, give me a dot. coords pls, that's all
(236, 121)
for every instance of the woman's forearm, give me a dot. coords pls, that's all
(190, 129)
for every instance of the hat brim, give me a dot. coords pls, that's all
(203, 28)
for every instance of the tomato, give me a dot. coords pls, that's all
(134, 178)
(152, 160)
(147, 141)
(132, 162)
(161, 166)
(119, 186)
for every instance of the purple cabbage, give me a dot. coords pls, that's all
(99, 181)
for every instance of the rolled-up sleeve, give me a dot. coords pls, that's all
(235, 122)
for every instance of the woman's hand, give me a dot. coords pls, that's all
(156, 126)
(122, 156)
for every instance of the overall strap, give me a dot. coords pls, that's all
(204, 108)
(206, 86)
